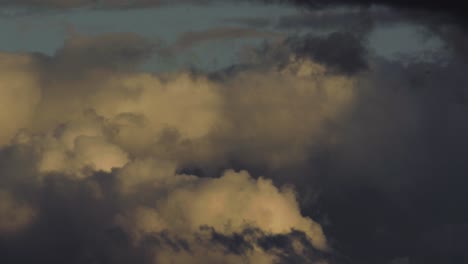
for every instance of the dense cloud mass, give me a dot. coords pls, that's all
(114, 140)
(313, 149)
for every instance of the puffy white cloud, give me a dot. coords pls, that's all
(269, 116)
(190, 104)
(273, 117)
(78, 145)
(230, 204)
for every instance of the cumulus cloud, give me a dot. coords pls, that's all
(230, 205)
(282, 114)
(20, 94)
(113, 140)
(102, 163)
(92, 152)
(145, 114)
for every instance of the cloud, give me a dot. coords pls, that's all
(94, 151)
(167, 218)
(449, 10)
(402, 137)
(250, 246)
(107, 164)
(14, 215)
(181, 204)
(343, 51)
(228, 204)
(146, 114)
(352, 20)
(265, 108)
(20, 94)
(340, 52)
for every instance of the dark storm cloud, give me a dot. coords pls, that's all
(402, 159)
(342, 52)
(455, 39)
(451, 10)
(339, 50)
(393, 177)
(358, 21)
(73, 226)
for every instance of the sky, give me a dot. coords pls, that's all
(198, 131)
